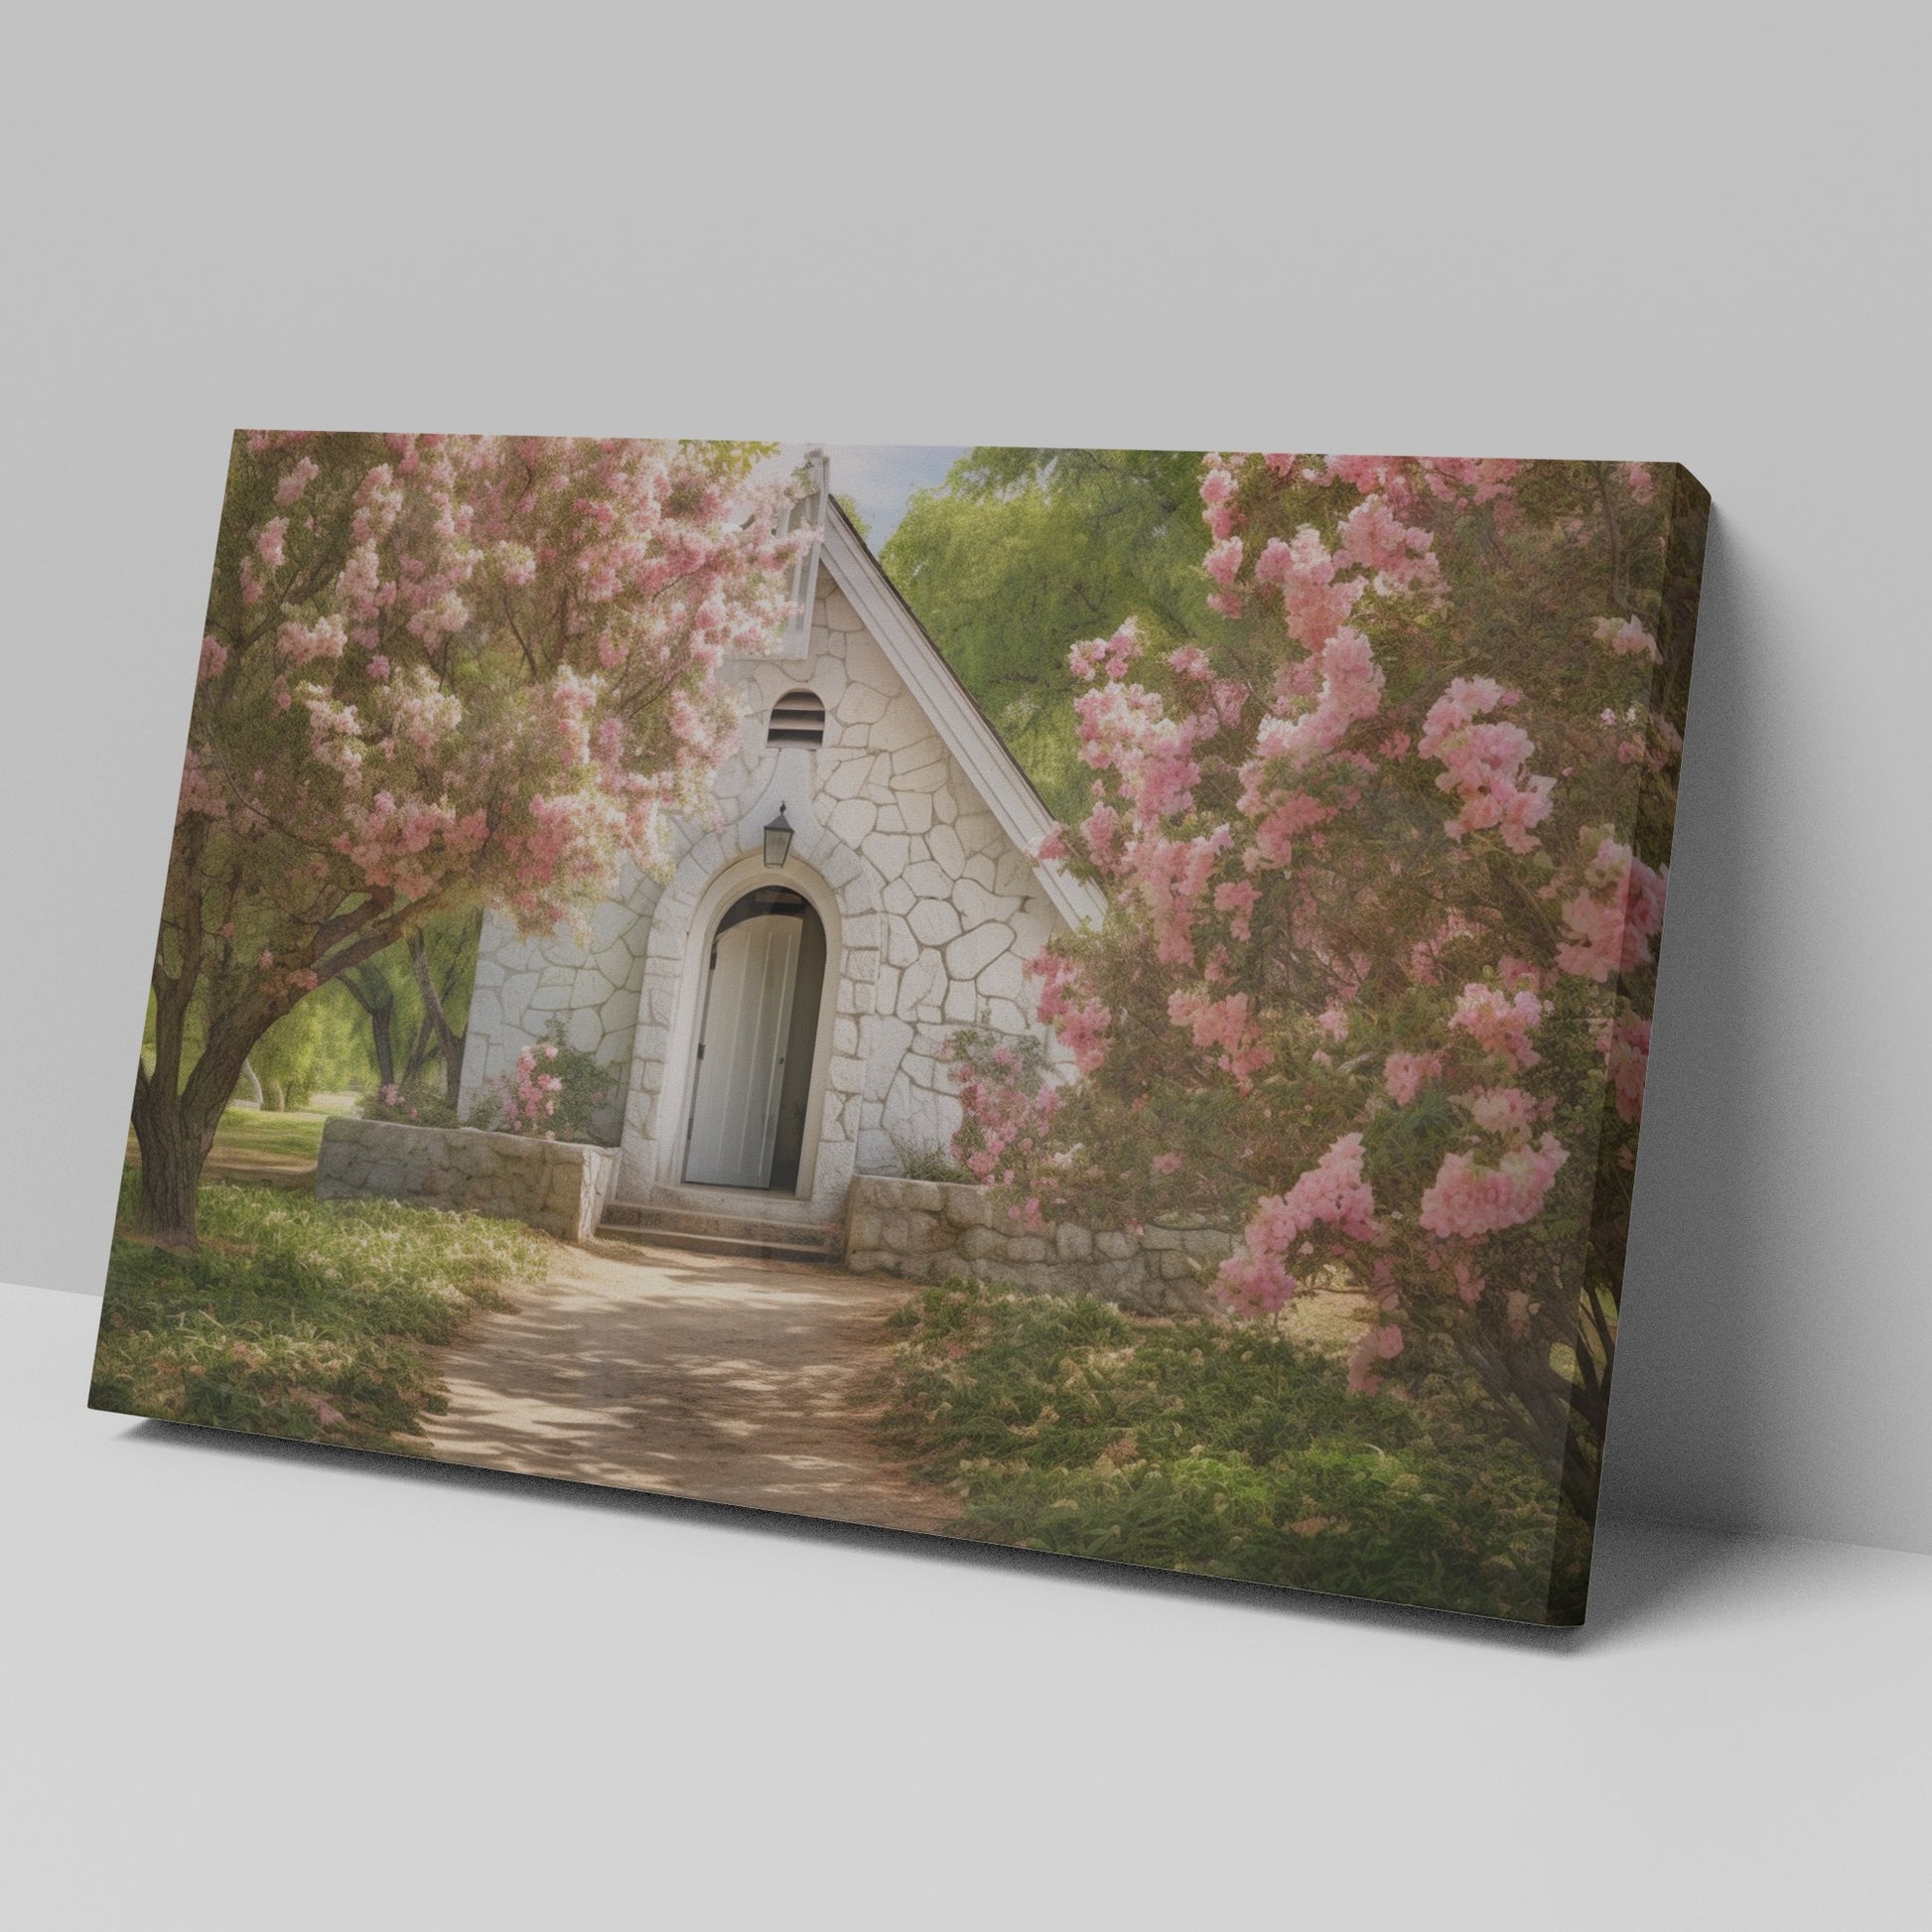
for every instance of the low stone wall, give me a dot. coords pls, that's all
(560, 1187)
(931, 1230)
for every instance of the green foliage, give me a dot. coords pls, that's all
(582, 1107)
(923, 1161)
(312, 1047)
(300, 1317)
(417, 1109)
(1206, 1446)
(1025, 553)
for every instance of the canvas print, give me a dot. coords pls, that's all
(1092, 1000)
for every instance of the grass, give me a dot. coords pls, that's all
(262, 1145)
(300, 1317)
(1208, 1446)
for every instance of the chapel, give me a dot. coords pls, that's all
(775, 1011)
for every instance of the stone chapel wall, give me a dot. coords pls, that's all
(959, 913)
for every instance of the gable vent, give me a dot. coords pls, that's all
(799, 717)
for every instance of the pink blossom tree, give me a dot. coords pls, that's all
(1386, 859)
(438, 672)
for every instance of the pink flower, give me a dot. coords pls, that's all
(1405, 1075)
(1379, 1345)
(1626, 1046)
(1238, 899)
(296, 480)
(1618, 912)
(1505, 1111)
(1228, 1025)
(1165, 1164)
(1331, 1193)
(1628, 639)
(1483, 763)
(1469, 1201)
(1499, 1023)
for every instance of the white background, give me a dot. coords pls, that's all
(1675, 232)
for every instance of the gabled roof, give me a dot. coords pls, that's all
(963, 728)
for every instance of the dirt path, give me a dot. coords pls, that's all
(734, 1381)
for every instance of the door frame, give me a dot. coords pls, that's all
(726, 887)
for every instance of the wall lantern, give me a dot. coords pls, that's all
(777, 841)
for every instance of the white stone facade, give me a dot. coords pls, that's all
(930, 906)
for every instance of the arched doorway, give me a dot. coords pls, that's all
(764, 979)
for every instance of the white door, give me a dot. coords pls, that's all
(741, 1063)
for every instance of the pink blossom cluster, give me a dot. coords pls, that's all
(1171, 877)
(1351, 691)
(1627, 639)
(1626, 1046)
(1468, 1201)
(1315, 600)
(1006, 1109)
(1404, 1075)
(1332, 1193)
(1500, 1022)
(1377, 1346)
(1613, 921)
(1125, 728)
(1109, 654)
(1483, 763)
(1064, 1004)
(513, 647)
(1507, 1112)
(1226, 1024)
(523, 1100)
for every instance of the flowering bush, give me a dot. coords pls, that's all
(553, 1090)
(1386, 866)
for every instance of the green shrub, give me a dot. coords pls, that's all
(419, 1109)
(556, 1091)
(923, 1161)
(1207, 1445)
(300, 1317)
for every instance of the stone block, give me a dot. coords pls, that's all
(967, 1208)
(1025, 1247)
(1073, 1243)
(977, 948)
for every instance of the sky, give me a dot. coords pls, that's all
(878, 477)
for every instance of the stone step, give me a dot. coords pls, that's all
(737, 1203)
(649, 1225)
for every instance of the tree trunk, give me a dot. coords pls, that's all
(176, 1129)
(172, 1154)
(449, 1041)
(385, 1052)
(374, 994)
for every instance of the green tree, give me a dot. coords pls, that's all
(1025, 553)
